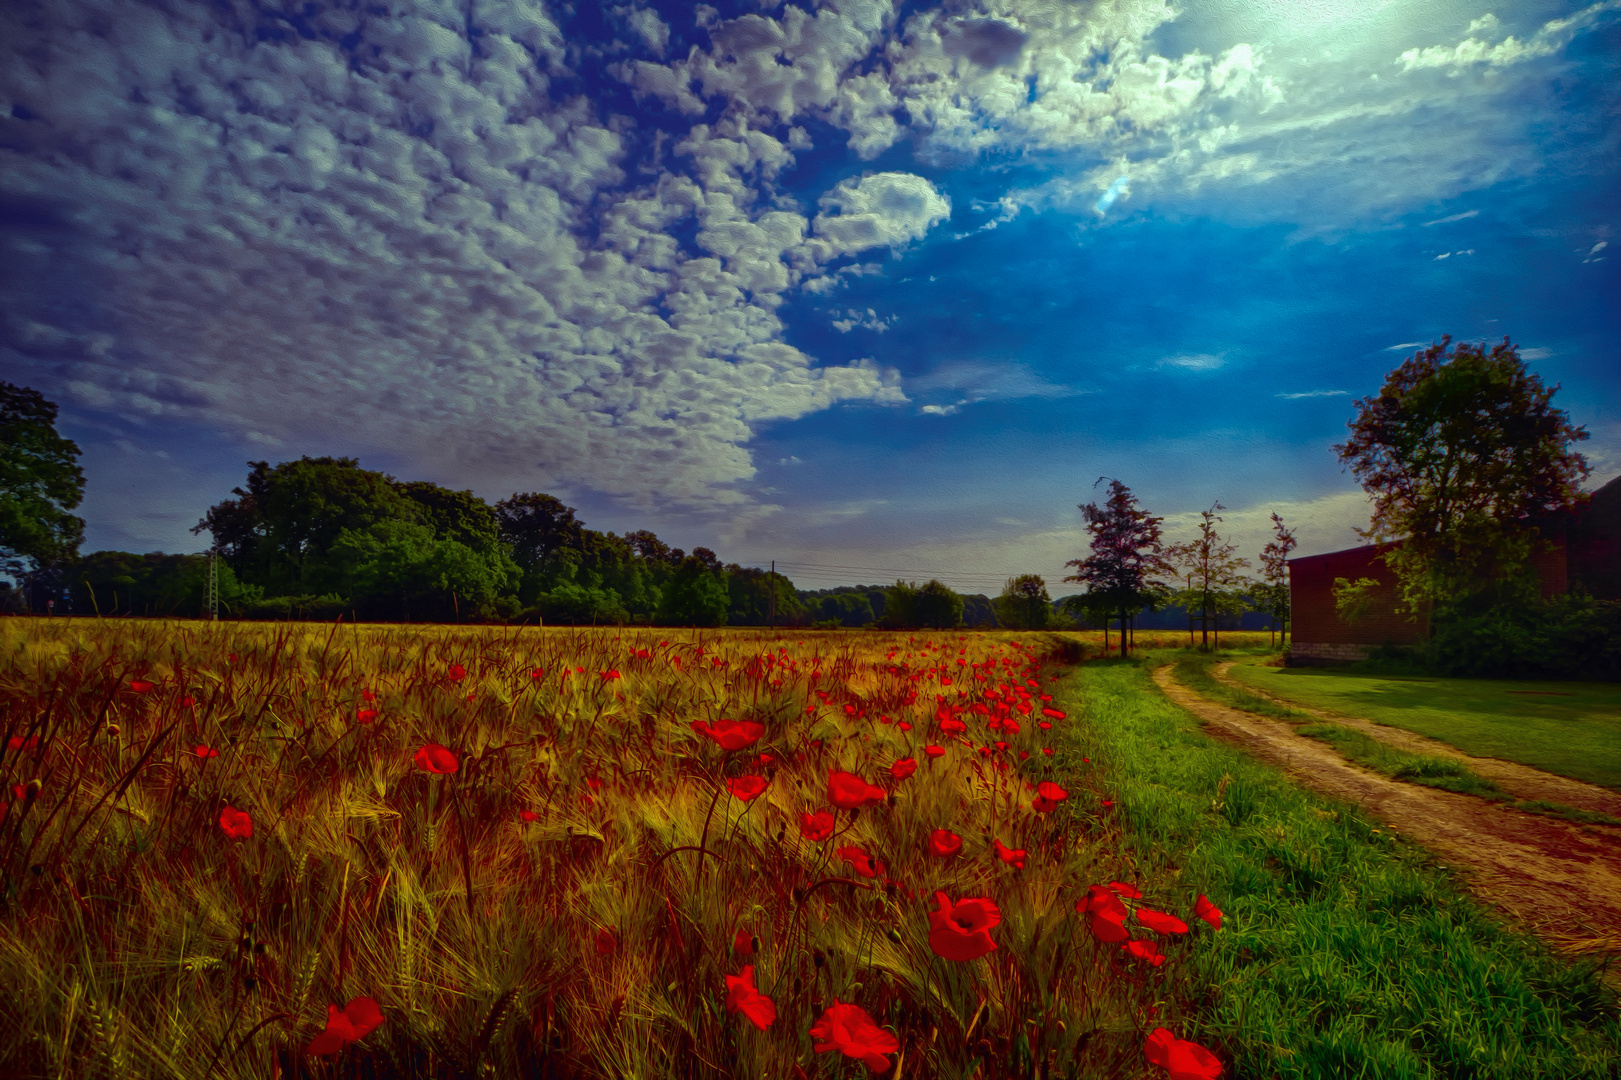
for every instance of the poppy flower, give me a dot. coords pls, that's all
(1012, 856)
(746, 787)
(850, 792)
(864, 863)
(1182, 1059)
(1056, 714)
(1210, 913)
(436, 759)
(349, 1024)
(206, 752)
(1047, 750)
(238, 825)
(1161, 923)
(1146, 951)
(816, 827)
(187, 702)
(457, 672)
(904, 726)
(934, 751)
(850, 1030)
(952, 727)
(730, 734)
(367, 696)
(610, 674)
(1130, 892)
(743, 943)
(16, 743)
(528, 815)
(1106, 915)
(944, 843)
(606, 943)
(742, 996)
(365, 716)
(140, 686)
(1051, 791)
(538, 673)
(903, 768)
(962, 931)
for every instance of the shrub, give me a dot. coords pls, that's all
(1568, 637)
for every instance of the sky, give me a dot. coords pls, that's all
(873, 289)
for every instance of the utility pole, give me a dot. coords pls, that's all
(213, 599)
(771, 618)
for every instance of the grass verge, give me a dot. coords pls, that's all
(1344, 951)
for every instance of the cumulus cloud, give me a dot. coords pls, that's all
(381, 238)
(852, 318)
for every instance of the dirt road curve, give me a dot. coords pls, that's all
(1559, 880)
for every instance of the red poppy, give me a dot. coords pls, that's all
(1182, 1059)
(746, 787)
(1051, 791)
(952, 727)
(611, 673)
(1047, 750)
(16, 743)
(528, 815)
(864, 863)
(1161, 923)
(606, 942)
(730, 734)
(1210, 913)
(1056, 714)
(1146, 951)
(349, 1024)
(140, 686)
(187, 702)
(962, 931)
(903, 768)
(816, 827)
(457, 672)
(436, 759)
(367, 696)
(850, 792)
(538, 673)
(1130, 892)
(934, 751)
(232, 658)
(206, 752)
(236, 823)
(742, 996)
(743, 943)
(365, 716)
(1012, 856)
(850, 1030)
(944, 843)
(1106, 915)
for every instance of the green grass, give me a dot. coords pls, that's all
(1192, 669)
(1345, 952)
(1426, 769)
(1569, 728)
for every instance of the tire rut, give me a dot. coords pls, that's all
(1558, 880)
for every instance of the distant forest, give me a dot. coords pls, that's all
(321, 537)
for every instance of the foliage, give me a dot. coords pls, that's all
(696, 594)
(933, 605)
(845, 608)
(751, 601)
(1120, 573)
(1024, 603)
(1568, 637)
(1214, 575)
(1272, 594)
(392, 569)
(1353, 599)
(1463, 454)
(120, 583)
(40, 481)
(536, 527)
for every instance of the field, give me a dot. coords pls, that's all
(277, 851)
(1569, 728)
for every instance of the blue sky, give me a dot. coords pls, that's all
(844, 284)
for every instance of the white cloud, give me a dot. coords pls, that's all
(385, 250)
(1443, 255)
(1404, 345)
(1314, 394)
(1542, 352)
(1193, 362)
(1548, 39)
(1455, 217)
(868, 321)
(975, 381)
(939, 410)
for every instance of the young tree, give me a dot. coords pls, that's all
(1214, 574)
(1274, 591)
(1024, 603)
(40, 481)
(1461, 453)
(1126, 556)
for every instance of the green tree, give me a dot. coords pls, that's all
(1214, 575)
(1120, 573)
(402, 569)
(1024, 603)
(1463, 453)
(1273, 593)
(40, 481)
(696, 594)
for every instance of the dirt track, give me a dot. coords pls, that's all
(1559, 880)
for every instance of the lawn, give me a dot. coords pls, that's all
(1569, 728)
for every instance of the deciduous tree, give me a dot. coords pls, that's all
(1214, 574)
(1274, 590)
(1462, 453)
(40, 481)
(1024, 603)
(1126, 556)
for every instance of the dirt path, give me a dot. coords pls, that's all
(1521, 781)
(1559, 880)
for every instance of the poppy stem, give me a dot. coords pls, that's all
(467, 858)
(704, 838)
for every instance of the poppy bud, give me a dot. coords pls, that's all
(816, 957)
(112, 729)
(894, 935)
(249, 925)
(781, 832)
(261, 948)
(983, 1048)
(250, 983)
(31, 792)
(37, 869)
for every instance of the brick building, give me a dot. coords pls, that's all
(1586, 550)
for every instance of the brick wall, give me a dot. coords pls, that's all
(1311, 601)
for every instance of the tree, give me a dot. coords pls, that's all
(1126, 557)
(1463, 454)
(1273, 593)
(696, 594)
(1213, 574)
(40, 481)
(1024, 603)
(536, 526)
